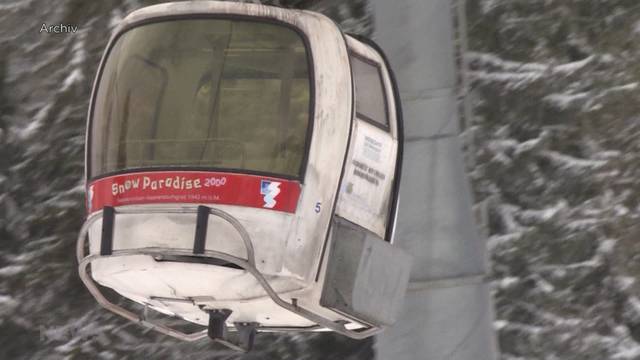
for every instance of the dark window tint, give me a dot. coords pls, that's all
(370, 99)
(210, 93)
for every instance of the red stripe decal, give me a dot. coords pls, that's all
(193, 187)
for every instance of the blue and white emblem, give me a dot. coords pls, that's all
(270, 189)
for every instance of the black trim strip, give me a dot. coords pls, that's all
(198, 260)
(192, 168)
(202, 222)
(108, 221)
(254, 18)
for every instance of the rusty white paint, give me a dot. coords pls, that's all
(287, 246)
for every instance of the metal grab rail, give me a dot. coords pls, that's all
(246, 264)
(244, 235)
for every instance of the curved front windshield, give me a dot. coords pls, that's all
(203, 93)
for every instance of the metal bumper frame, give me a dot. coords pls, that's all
(247, 264)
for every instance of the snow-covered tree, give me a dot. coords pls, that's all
(555, 89)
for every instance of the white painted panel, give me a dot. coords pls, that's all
(269, 232)
(365, 190)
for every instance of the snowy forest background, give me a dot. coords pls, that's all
(556, 132)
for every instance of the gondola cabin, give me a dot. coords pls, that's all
(242, 173)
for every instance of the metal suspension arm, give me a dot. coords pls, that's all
(247, 264)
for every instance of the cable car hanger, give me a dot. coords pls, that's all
(242, 168)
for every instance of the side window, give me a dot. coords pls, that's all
(371, 102)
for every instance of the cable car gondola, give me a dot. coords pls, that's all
(242, 172)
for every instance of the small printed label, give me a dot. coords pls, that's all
(372, 149)
(368, 173)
